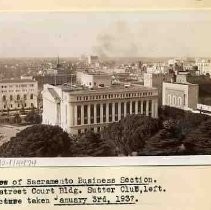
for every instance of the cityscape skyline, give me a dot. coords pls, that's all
(115, 34)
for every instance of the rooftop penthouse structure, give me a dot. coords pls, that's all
(93, 78)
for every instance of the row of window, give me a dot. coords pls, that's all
(175, 101)
(17, 86)
(110, 96)
(22, 90)
(11, 106)
(203, 64)
(18, 97)
(113, 111)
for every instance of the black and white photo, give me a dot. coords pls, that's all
(105, 84)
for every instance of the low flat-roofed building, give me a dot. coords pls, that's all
(17, 94)
(93, 79)
(78, 109)
(27, 77)
(180, 95)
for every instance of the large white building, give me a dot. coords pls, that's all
(16, 94)
(77, 109)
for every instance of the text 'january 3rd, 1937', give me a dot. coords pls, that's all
(77, 191)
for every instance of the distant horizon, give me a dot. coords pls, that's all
(110, 57)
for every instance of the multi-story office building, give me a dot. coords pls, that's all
(77, 109)
(92, 59)
(204, 66)
(17, 94)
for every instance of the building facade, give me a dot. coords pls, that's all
(78, 109)
(180, 95)
(55, 79)
(156, 80)
(204, 66)
(18, 94)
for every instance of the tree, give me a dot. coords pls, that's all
(38, 141)
(185, 120)
(91, 144)
(198, 142)
(168, 112)
(33, 117)
(17, 119)
(165, 142)
(162, 143)
(177, 124)
(170, 125)
(129, 134)
(208, 75)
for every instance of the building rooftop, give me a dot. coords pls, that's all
(98, 73)
(94, 73)
(54, 93)
(16, 80)
(181, 83)
(111, 89)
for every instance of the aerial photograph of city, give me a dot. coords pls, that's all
(105, 84)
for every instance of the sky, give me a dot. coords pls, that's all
(184, 33)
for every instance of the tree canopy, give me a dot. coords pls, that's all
(92, 144)
(33, 117)
(176, 132)
(129, 134)
(198, 142)
(38, 141)
(170, 139)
